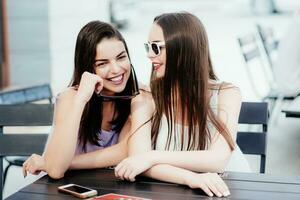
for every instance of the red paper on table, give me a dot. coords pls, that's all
(113, 196)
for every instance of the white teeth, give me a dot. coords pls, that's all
(118, 78)
(156, 64)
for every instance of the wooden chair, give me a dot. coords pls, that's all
(22, 144)
(254, 142)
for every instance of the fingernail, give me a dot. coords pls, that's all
(211, 194)
(227, 193)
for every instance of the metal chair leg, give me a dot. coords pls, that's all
(1, 177)
(5, 174)
(262, 164)
(276, 111)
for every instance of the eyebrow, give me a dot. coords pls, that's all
(122, 52)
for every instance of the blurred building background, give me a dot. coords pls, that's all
(38, 42)
(42, 34)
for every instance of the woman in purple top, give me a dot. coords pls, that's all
(92, 114)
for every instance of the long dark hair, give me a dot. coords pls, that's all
(186, 82)
(85, 52)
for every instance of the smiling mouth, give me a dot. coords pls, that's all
(117, 80)
(156, 66)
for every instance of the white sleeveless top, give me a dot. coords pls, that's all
(237, 162)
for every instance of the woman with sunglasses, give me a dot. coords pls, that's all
(91, 117)
(189, 123)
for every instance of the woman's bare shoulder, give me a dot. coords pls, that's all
(145, 93)
(229, 89)
(63, 104)
(229, 97)
(144, 100)
(65, 96)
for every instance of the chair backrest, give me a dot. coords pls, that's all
(257, 70)
(22, 144)
(270, 44)
(29, 114)
(249, 47)
(254, 142)
(26, 95)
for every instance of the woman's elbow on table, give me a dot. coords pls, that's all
(219, 163)
(55, 169)
(55, 174)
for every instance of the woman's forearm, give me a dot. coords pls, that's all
(168, 173)
(106, 157)
(199, 161)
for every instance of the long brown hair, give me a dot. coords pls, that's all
(85, 52)
(186, 82)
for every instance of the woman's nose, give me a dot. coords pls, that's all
(150, 54)
(114, 67)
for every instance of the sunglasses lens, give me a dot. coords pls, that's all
(146, 47)
(155, 48)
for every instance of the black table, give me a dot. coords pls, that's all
(242, 186)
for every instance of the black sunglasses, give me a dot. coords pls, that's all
(135, 90)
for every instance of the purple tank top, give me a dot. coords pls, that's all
(106, 139)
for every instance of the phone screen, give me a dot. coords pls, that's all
(78, 189)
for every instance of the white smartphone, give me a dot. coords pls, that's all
(77, 190)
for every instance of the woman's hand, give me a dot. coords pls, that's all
(210, 183)
(132, 166)
(34, 165)
(89, 84)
